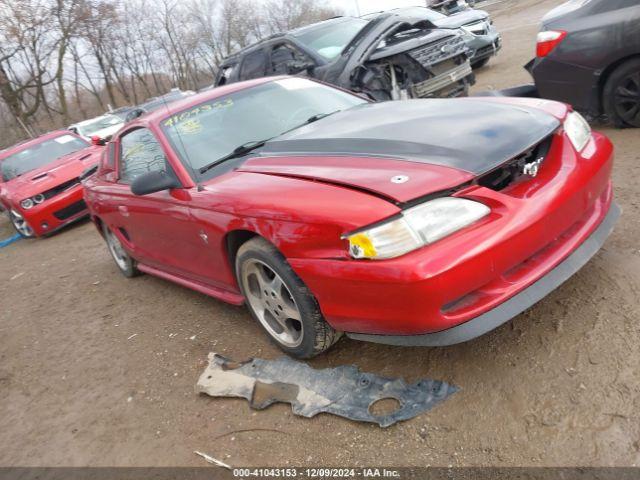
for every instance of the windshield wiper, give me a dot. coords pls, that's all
(253, 144)
(319, 116)
(312, 119)
(237, 152)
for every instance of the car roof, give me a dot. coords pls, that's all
(323, 23)
(34, 141)
(197, 98)
(235, 57)
(91, 120)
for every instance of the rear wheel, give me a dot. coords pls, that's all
(621, 95)
(125, 263)
(279, 300)
(20, 224)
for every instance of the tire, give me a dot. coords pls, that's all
(123, 261)
(621, 95)
(480, 63)
(280, 302)
(20, 224)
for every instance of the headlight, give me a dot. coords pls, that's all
(28, 203)
(478, 28)
(578, 130)
(416, 227)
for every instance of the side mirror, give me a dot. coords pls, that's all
(296, 66)
(151, 182)
(96, 140)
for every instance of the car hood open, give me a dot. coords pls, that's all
(472, 134)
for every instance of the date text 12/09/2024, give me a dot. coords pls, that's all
(315, 473)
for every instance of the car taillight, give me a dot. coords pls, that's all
(549, 40)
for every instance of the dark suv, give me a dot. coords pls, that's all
(392, 56)
(589, 55)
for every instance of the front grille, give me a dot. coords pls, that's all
(61, 188)
(510, 172)
(484, 51)
(428, 55)
(71, 210)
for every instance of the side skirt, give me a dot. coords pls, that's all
(220, 294)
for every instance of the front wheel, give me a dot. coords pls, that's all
(480, 63)
(621, 95)
(125, 263)
(279, 300)
(20, 224)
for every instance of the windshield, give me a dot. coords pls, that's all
(213, 129)
(90, 128)
(329, 39)
(39, 155)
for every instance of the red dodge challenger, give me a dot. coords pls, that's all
(418, 222)
(40, 187)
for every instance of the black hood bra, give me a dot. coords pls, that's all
(472, 135)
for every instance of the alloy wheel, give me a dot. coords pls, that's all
(627, 98)
(272, 302)
(117, 250)
(20, 224)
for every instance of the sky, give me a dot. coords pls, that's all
(351, 7)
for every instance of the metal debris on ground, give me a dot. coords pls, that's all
(212, 461)
(343, 391)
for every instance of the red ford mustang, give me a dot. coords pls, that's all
(419, 222)
(40, 187)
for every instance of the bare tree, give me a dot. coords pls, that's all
(63, 60)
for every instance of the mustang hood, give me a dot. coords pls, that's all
(394, 180)
(472, 135)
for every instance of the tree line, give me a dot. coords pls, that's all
(66, 60)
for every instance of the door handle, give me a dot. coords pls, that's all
(124, 211)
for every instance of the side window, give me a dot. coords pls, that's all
(284, 57)
(140, 152)
(254, 65)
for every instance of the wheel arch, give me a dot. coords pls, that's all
(97, 221)
(232, 242)
(606, 73)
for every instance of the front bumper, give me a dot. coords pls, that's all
(56, 212)
(483, 46)
(534, 226)
(515, 305)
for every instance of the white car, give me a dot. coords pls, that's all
(103, 126)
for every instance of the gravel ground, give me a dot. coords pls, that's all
(96, 369)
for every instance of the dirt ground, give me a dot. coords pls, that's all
(99, 370)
